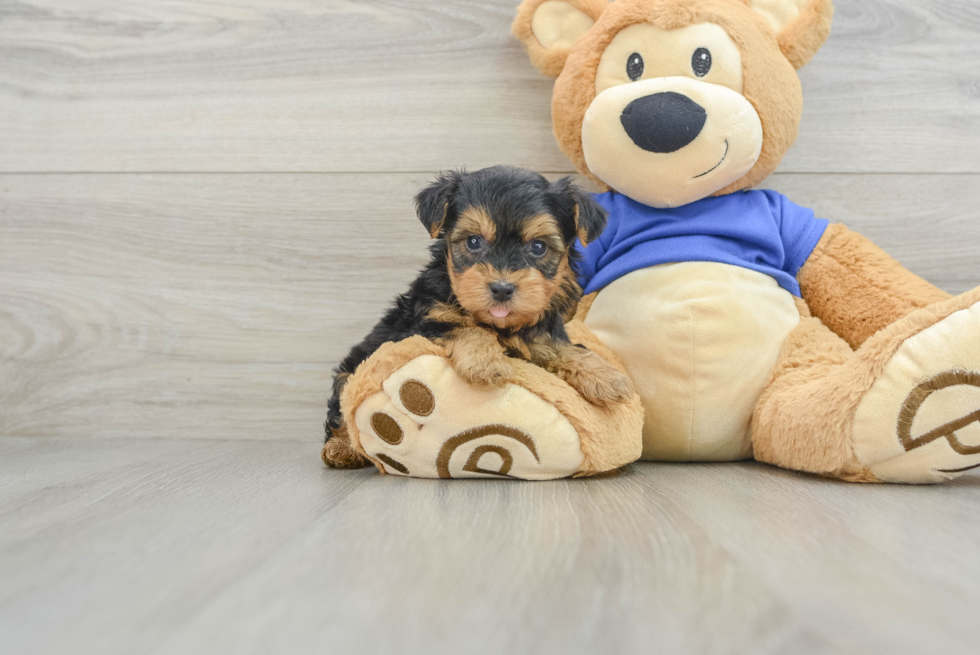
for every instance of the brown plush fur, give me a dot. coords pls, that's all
(801, 39)
(770, 82)
(804, 419)
(548, 61)
(857, 289)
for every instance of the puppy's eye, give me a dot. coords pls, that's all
(701, 62)
(474, 243)
(538, 248)
(634, 66)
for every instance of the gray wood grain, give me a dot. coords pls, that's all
(418, 85)
(166, 339)
(169, 546)
(212, 306)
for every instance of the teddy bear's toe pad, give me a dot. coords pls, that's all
(426, 422)
(920, 421)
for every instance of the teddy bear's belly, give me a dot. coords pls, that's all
(700, 340)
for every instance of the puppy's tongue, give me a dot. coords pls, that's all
(499, 312)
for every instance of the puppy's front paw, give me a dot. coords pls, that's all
(596, 380)
(338, 453)
(490, 372)
(603, 388)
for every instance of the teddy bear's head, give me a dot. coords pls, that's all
(670, 101)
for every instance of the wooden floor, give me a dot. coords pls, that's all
(202, 206)
(211, 546)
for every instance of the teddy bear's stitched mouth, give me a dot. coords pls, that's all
(723, 158)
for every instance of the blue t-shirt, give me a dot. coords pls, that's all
(758, 230)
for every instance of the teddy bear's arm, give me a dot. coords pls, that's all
(856, 288)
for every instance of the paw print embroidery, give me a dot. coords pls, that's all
(417, 399)
(426, 422)
(955, 431)
(472, 464)
(420, 402)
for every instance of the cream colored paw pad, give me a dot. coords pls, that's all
(920, 422)
(426, 422)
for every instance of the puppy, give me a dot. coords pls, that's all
(501, 283)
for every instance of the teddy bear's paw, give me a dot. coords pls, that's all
(920, 421)
(427, 422)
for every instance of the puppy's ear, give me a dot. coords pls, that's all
(585, 216)
(432, 204)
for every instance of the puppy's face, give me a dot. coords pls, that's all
(506, 270)
(509, 234)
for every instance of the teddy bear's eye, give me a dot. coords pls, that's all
(634, 66)
(701, 62)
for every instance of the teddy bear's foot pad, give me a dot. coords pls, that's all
(920, 421)
(426, 422)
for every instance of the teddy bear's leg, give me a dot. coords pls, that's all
(856, 288)
(409, 412)
(904, 407)
(798, 422)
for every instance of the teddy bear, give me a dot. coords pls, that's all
(750, 327)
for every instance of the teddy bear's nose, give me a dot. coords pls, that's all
(663, 122)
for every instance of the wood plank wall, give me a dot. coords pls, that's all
(203, 204)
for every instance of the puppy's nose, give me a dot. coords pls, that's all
(502, 291)
(663, 122)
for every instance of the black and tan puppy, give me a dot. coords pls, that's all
(501, 283)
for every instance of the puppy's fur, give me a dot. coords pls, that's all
(501, 282)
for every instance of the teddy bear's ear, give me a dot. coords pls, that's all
(549, 29)
(802, 26)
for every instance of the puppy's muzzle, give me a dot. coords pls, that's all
(663, 122)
